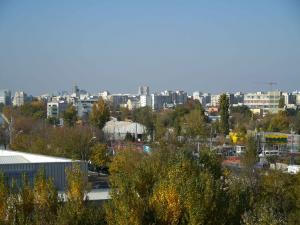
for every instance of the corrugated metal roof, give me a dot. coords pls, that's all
(13, 159)
(28, 157)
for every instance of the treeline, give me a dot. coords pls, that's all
(175, 187)
(168, 186)
(42, 205)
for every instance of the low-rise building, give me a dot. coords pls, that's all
(275, 143)
(117, 130)
(15, 164)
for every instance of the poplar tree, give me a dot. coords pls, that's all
(224, 113)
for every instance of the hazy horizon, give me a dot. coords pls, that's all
(210, 46)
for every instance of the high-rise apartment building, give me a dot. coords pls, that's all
(144, 90)
(20, 98)
(5, 97)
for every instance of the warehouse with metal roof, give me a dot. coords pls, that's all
(14, 165)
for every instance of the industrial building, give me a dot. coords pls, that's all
(15, 164)
(117, 130)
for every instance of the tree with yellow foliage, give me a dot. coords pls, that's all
(45, 200)
(100, 114)
(3, 199)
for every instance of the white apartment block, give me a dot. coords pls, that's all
(55, 108)
(214, 100)
(19, 98)
(265, 101)
(145, 100)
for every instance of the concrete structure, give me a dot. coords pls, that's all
(104, 95)
(133, 103)
(20, 98)
(267, 101)
(144, 90)
(117, 130)
(5, 97)
(289, 98)
(214, 101)
(55, 108)
(117, 99)
(238, 98)
(275, 143)
(85, 106)
(14, 164)
(145, 100)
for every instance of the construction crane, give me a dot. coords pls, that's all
(270, 83)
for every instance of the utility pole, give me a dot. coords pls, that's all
(10, 128)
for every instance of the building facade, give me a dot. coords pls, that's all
(20, 98)
(265, 101)
(55, 108)
(5, 97)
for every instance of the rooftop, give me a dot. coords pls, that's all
(14, 157)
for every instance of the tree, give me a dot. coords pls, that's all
(26, 202)
(194, 124)
(125, 113)
(35, 109)
(250, 157)
(70, 116)
(281, 103)
(4, 195)
(100, 114)
(45, 200)
(146, 117)
(73, 212)
(279, 122)
(224, 112)
(52, 121)
(99, 155)
(1, 107)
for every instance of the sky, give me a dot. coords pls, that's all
(207, 45)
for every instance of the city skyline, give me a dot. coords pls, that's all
(208, 46)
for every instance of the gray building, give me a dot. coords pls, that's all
(144, 90)
(15, 164)
(5, 97)
(56, 108)
(85, 106)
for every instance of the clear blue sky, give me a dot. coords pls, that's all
(211, 46)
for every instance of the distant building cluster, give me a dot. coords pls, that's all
(258, 102)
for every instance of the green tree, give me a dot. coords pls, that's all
(99, 155)
(224, 112)
(70, 116)
(281, 103)
(279, 122)
(194, 124)
(146, 117)
(125, 113)
(250, 157)
(35, 109)
(4, 195)
(100, 114)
